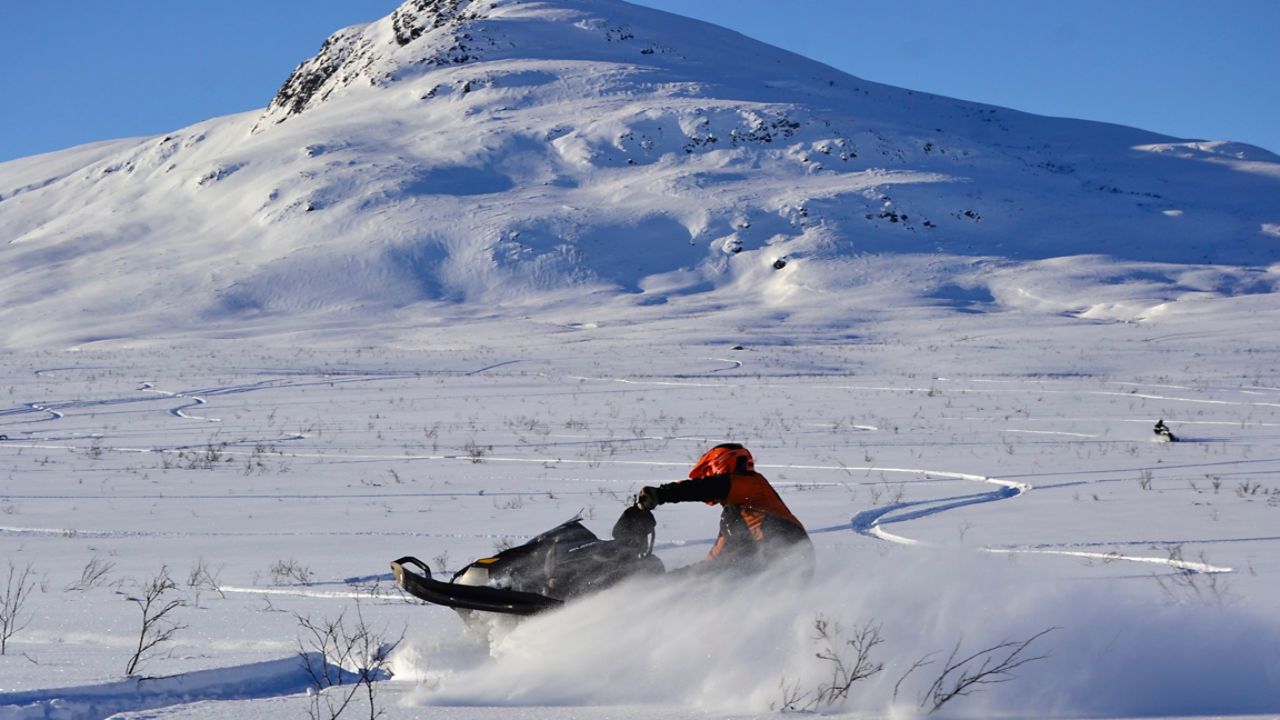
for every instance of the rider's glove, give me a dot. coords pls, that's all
(648, 498)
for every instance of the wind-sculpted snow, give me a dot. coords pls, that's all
(273, 678)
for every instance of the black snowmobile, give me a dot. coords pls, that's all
(563, 563)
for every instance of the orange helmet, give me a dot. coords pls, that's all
(722, 460)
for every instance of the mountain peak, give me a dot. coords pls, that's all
(416, 17)
(422, 36)
(437, 30)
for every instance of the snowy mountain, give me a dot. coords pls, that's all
(584, 161)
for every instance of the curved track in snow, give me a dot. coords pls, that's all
(872, 522)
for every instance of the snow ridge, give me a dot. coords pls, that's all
(272, 678)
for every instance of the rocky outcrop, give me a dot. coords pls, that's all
(437, 30)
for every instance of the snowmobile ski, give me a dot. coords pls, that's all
(466, 597)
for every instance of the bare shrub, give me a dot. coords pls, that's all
(328, 647)
(965, 674)
(17, 590)
(157, 627)
(1248, 488)
(847, 660)
(201, 578)
(441, 561)
(285, 572)
(94, 573)
(475, 451)
(1186, 584)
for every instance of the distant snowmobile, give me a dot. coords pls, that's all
(1164, 433)
(563, 563)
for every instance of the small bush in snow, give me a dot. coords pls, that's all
(966, 674)
(94, 573)
(17, 590)
(286, 572)
(157, 627)
(848, 662)
(343, 660)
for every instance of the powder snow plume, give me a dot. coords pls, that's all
(754, 646)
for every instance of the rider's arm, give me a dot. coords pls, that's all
(712, 488)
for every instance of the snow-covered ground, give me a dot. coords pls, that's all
(483, 266)
(965, 486)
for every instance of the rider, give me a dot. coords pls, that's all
(756, 527)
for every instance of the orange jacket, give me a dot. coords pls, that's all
(755, 524)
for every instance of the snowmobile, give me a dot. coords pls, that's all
(562, 563)
(1164, 433)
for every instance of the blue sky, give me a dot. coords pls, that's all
(78, 71)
